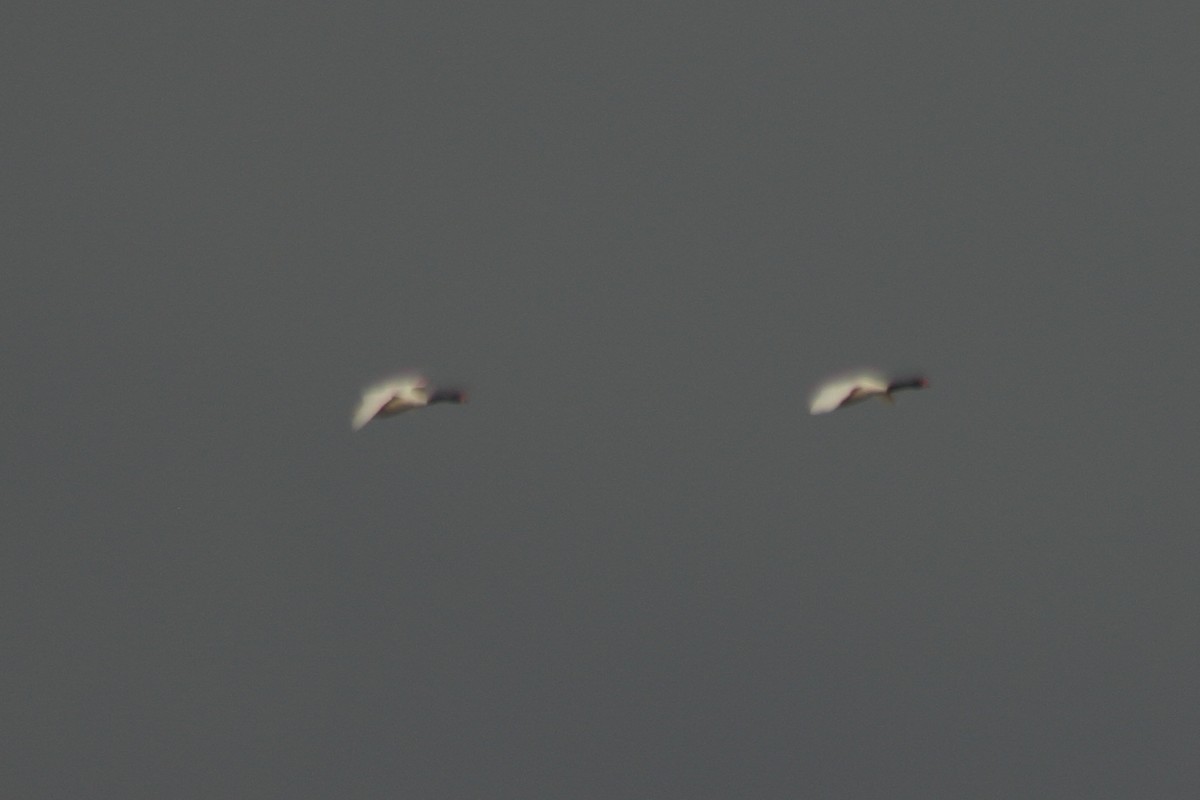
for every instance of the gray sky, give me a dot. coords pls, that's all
(633, 566)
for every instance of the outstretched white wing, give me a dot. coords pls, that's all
(391, 397)
(834, 393)
(372, 403)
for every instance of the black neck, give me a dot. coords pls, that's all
(907, 383)
(447, 396)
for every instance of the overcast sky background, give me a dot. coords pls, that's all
(633, 566)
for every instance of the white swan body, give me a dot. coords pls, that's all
(846, 390)
(397, 395)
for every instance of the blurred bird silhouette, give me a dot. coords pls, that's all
(846, 390)
(400, 394)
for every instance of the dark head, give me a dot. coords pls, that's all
(448, 396)
(918, 382)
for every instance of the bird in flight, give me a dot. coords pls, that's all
(846, 390)
(397, 395)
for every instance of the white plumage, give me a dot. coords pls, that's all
(846, 390)
(397, 395)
